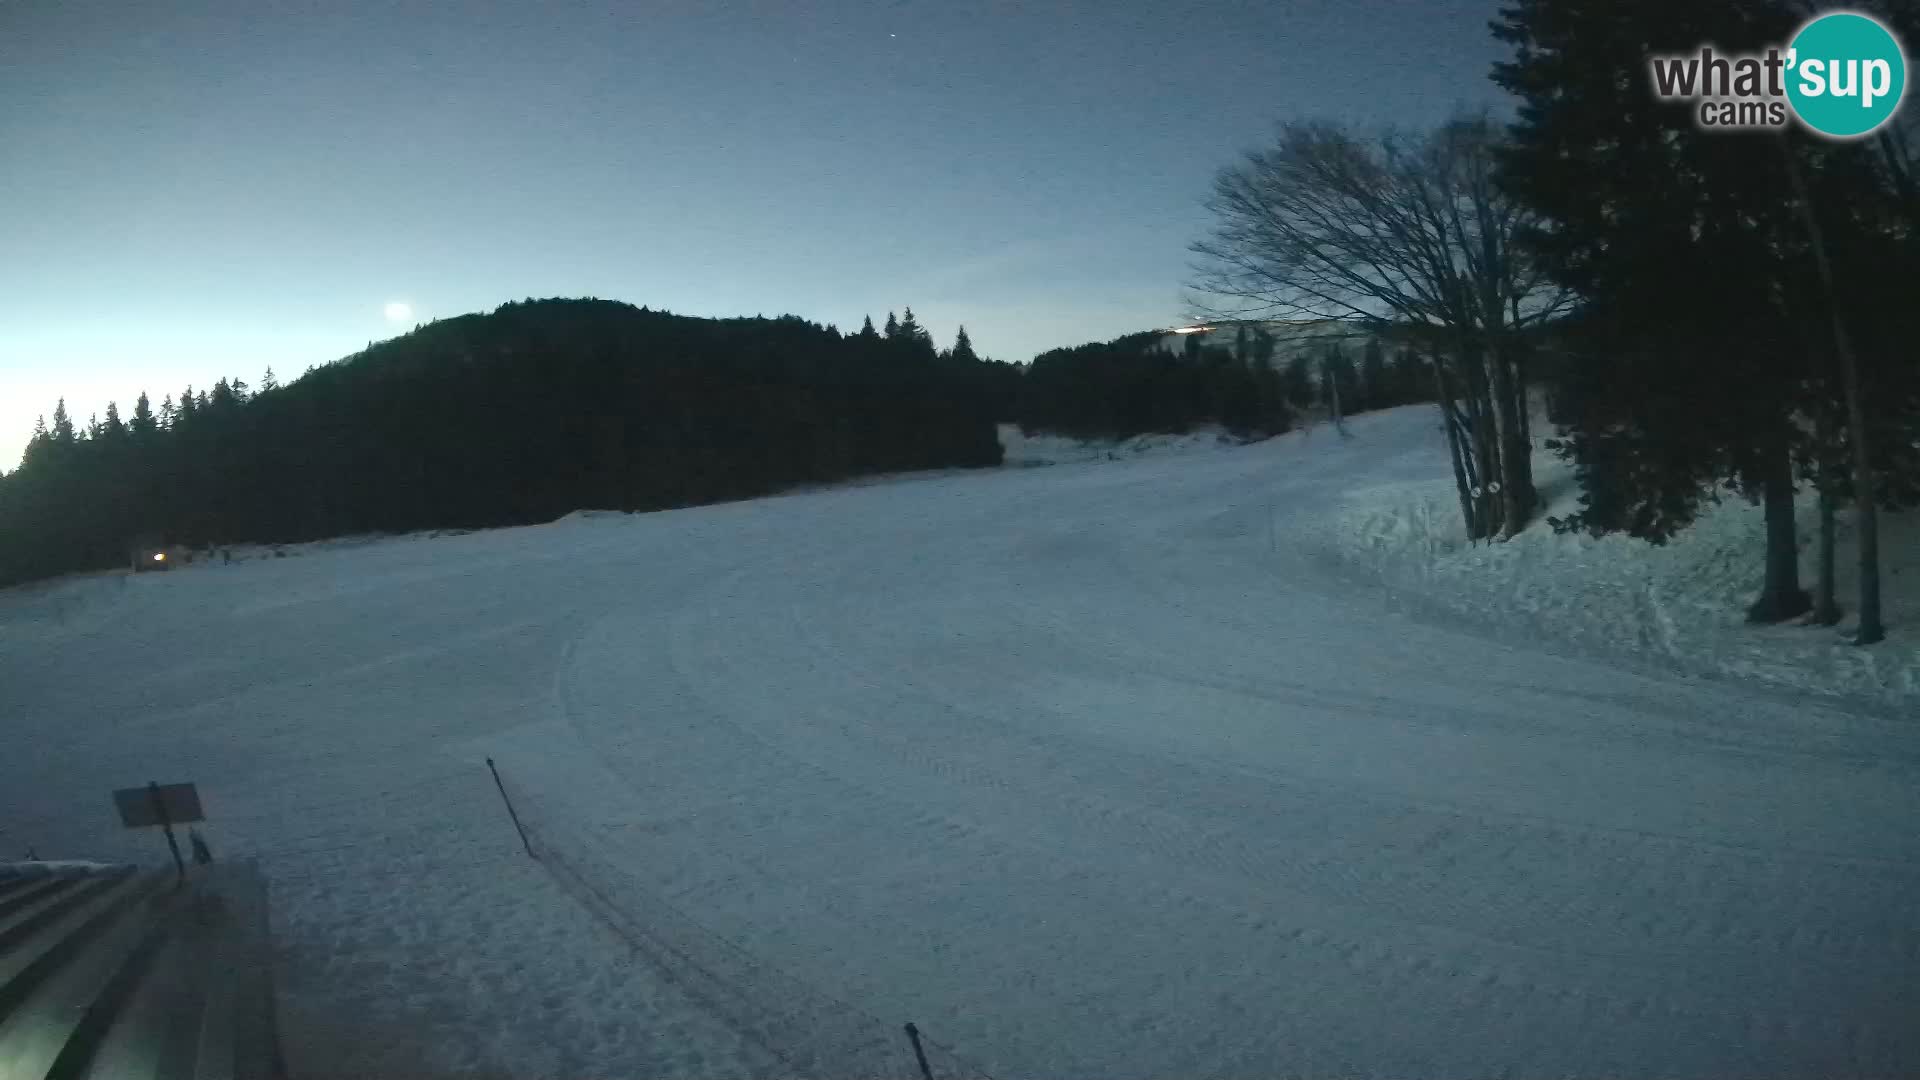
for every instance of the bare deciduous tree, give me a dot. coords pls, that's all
(1404, 234)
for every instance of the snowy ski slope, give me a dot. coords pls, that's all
(1087, 769)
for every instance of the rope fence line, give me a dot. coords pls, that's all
(806, 1027)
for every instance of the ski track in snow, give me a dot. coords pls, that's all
(1088, 770)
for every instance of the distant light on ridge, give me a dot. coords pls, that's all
(399, 311)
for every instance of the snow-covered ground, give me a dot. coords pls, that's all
(1682, 603)
(1090, 770)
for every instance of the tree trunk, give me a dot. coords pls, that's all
(1865, 511)
(1331, 380)
(1781, 596)
(1826, 609)
(1481, 435)
(1516, 464)
(1866, 519)
(1450, 422)
(1486, 441)
(1526, 411)
(1464, 479)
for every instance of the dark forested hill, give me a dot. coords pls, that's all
(517, 416)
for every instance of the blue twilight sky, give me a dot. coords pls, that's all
(190, 190)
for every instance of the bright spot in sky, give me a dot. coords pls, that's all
(399, 311)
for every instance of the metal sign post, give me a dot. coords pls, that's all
(162, 805)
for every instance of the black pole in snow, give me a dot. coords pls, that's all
(913, 1033)
(510, 813)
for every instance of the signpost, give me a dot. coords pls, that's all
(162, 805)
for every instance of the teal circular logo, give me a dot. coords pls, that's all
(1846, 74)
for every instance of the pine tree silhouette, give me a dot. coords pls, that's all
(142, 425)
(963, 348)
(62, 424)
(37, 443)
(911, 329)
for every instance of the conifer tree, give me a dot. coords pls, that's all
(963, 348)
(1683, 382)
(142, 425)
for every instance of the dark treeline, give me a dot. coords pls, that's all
(1383, 377)
(1746, 316)
(518, 416)
(1131, 385)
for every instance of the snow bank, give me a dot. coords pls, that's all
(591, 515)
(1683, 603)
(44, 868)
(1045, 448)
(250, 552)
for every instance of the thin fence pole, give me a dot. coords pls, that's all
(166, 826)
(913, 1034)
(516, 817)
